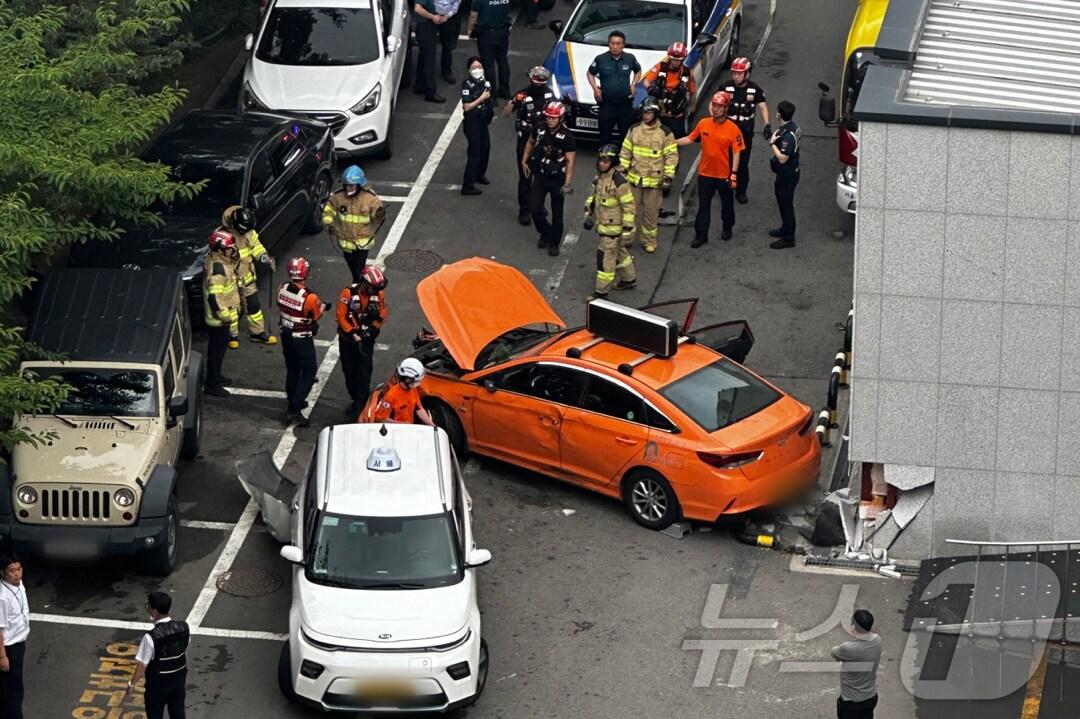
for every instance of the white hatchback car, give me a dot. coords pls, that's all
(384, 613)
(339, 61)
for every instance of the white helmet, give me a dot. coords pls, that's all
(411, 369)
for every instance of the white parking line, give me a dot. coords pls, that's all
(393, 198)
(144, 626)
(247, 518)
(247, 392)
(560, 266)
(203, 524)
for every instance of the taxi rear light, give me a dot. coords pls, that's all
(807, 424)
(729, 461)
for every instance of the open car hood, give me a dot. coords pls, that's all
(471, 302)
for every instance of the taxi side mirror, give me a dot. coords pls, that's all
(477, 558)
(489, 385)
(249, 42)
(292, 553)
(556, 26)
(706, 38)
(826, 105)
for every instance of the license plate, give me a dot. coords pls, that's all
(588, 122)
(384, 690)
(70, 550)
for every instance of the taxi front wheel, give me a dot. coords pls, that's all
(649, 499)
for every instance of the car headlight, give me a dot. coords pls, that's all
(251, 100)
(124, 497)
(850, 175)
(369, 103)
(26, 495)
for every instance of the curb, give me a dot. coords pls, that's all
(227, 79)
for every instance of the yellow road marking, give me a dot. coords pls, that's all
(1033, 697)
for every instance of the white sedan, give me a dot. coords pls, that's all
(338, 61)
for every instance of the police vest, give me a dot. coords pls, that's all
(792, 165)
(170, 653)
(549, 155)
(530, 109)
(742, 112)
(673, 101)
(291, 316)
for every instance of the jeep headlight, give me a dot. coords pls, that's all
(26, 495)
(124, 497)
(369, 103)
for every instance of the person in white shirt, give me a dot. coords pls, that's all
(162, 659)
(14, 629)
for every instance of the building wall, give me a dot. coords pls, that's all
(966, 351)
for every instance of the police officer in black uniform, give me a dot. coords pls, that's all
(747, 99)
(489, 23)
(476, 104)
(162, 659)
(529, 103)
(549, 160)
(785, 163)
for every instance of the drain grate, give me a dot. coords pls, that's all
(867, 565)
(250, 582)
(419, 261)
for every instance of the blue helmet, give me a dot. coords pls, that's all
(354, 176)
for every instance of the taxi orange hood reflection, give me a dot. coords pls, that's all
(471, 302)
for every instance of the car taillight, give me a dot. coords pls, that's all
(806, 425)
(729, 461)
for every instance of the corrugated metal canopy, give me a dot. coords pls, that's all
(1019, 54)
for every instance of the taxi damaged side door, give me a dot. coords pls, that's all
(518, 413)
(605, 434)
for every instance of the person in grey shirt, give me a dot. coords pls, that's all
(858, 674)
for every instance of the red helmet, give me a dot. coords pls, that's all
(721, 98)
(677, 51)
(740, 64)
(554, 109)
(299, 268)
(374, 278)
(221, 240)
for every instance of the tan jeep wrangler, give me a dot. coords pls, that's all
(105, 482)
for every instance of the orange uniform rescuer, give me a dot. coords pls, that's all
(401, 401)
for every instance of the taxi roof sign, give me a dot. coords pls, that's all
(632, 328)
(383, 459)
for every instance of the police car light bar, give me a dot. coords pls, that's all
(632, 328)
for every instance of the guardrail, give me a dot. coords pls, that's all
(828, 417)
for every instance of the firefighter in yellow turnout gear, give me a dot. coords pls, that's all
(221, 306)
(650, 157)
(610, 207)
(353, 215)
(240, 223)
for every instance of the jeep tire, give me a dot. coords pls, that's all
(162, 559)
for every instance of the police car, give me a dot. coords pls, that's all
(384, 613)
(710, 28)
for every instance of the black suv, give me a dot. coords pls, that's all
(275, 164)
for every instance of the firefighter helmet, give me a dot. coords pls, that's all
(411, 370)
(722, 98)
(243, 219)
(677, 51)
(740, 64)
(374, 278)
(222, 241)
(554, 109)
(539, 74)
(354, 176)
(651, 104)
(299, 268)
(609, 152)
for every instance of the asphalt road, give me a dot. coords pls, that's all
(586, 613)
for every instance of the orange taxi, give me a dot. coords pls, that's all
(635, 406)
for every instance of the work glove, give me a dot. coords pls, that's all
(566, 190)
(767, 132)
(589, 224)
(666, 182)
(326, 306)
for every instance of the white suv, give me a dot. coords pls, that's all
(384, 614)
(339, 61)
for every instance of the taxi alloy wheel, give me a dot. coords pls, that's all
(650, 500)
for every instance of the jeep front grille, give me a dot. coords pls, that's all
(82, 504)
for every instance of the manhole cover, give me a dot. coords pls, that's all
(249, 582)
(414, 261)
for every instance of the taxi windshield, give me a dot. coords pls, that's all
(647, 25)
(719, 395)
(106, 392)
(384, 552)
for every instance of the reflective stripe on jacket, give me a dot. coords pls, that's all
(219, 282)
(611, 204)
(291, 314)
(353, 219)
(649, 154)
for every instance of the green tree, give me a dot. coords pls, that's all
(71, 125)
